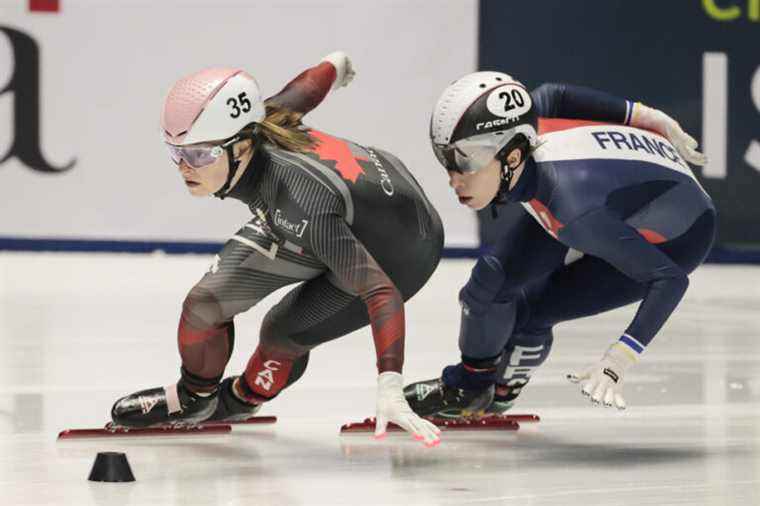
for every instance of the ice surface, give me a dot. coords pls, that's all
(77, 331)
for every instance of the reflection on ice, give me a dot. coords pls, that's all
(68, 349)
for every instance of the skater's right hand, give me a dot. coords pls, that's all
(602, 382)
(392, 407)
(654, 119)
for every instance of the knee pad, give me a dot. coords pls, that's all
(483, 286)
(485, 334)
(202, 309)
(202, 322)
(485, 324)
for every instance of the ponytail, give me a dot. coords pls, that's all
(283, 128)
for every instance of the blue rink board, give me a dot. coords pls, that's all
(719, 255)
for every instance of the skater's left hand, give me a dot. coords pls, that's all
(344, 69)
(392, 407)
(602, 382)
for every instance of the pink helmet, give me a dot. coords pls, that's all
(211, 105)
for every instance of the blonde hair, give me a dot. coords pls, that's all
(283, 128)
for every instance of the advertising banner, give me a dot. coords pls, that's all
(697, 60)
(82, 85)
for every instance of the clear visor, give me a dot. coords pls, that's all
(472, 154)
(198, 155)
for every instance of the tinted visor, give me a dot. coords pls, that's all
(198, 155)
(470, 155)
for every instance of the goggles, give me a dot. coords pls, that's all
(198, 155)
(475, 153)
(469, 155)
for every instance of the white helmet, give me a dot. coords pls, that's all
(211, 105)
(477, 116)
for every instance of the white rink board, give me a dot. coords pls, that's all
(105, 67)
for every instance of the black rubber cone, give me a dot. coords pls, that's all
(111, 467)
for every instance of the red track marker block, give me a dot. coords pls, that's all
(44, 5)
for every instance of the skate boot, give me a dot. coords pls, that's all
(172, 405)
(230, 407)
(503, 400)
(435, 399)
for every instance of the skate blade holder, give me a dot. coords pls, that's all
(110, 430)
(493, 422)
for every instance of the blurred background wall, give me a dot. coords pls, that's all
(82, 81)
(104, 67)
(697, 60)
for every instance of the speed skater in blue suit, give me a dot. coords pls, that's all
(613, 215)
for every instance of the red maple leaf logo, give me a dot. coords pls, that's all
(330, 148)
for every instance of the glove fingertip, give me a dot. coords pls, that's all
(381, 426)
(433, 443)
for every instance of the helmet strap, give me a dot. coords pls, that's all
(231, 171)
(506, 179)
(233, 165)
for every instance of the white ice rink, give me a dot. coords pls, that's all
(77, 331)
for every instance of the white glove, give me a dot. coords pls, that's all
(343, 68)
(603, 381)
(392, 407)
(654, 119)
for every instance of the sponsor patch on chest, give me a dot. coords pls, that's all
(289, 224)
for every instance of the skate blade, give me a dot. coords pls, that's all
(254, 420)
(515, 418)
(110, 430)
(488, 422)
